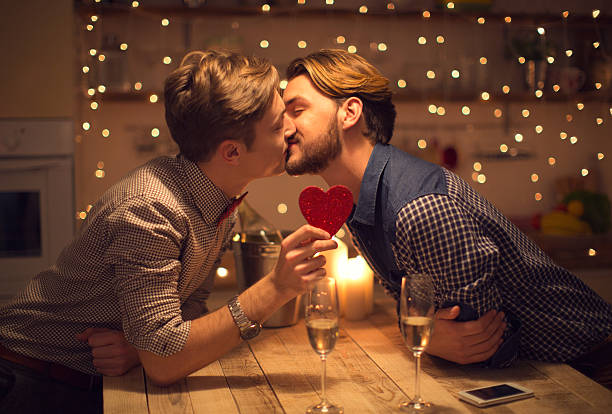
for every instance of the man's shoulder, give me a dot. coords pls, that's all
(158, 179)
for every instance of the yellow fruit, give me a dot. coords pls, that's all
(563, 224)
(575, 208)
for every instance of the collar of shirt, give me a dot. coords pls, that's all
(365, 210)
(208, 198)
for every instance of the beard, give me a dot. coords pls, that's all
(317, 154)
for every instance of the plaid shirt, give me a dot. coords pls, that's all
(141, 263)
(477, 258)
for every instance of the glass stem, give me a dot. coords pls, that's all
(323, 375)
(417, 382)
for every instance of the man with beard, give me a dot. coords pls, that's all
(498, 296)
(131, 288)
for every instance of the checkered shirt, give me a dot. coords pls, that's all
(479, 258)
(142, 263)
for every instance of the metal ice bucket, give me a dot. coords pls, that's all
(254, 260)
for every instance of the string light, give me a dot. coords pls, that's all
(379, 46)
(282, 208)
(477, 166)
(222, 272)
(538, 196)
(534, 178)
(584, 172)
(592, 252)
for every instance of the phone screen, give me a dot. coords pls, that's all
(496, 391)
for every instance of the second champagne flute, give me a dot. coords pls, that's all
(416, 313)
(321, 318)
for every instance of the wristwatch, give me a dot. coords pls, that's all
(248, 328)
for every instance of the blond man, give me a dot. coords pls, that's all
(132, 286)
(498, 295)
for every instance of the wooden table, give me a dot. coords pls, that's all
(369, 371)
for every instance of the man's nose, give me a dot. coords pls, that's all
(289, 127)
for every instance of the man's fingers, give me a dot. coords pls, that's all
(306, 252)
(448, 313)
(303, 234)
(480, 325)
(486, 354)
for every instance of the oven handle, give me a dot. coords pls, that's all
(24, 165)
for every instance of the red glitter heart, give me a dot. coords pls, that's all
(326, 210)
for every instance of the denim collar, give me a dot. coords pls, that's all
(365, 210)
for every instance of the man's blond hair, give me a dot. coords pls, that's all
(215, 95)
(339, 75)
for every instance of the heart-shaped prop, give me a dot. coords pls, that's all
(326, 210)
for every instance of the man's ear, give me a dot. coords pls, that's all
(350, 112)
(230, 151)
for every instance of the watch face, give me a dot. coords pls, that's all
(250, 331)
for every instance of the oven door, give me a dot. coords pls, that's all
(36, 217)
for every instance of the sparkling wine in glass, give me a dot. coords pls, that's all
(416, 317)
(322, 326)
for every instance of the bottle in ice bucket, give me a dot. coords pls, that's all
(256, 250)
(254, 228)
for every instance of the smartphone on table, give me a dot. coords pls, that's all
(495, 394)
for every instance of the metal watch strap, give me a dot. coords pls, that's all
(248, 328)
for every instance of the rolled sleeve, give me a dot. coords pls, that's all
(144, 251)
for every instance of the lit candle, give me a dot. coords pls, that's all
(358, 284)
(335, 265)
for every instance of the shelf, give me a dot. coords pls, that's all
(337, 10)
(402, 96)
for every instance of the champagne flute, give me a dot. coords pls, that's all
(416, 315)
(322, 325)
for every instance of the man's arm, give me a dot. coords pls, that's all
(436, 236)
(213, 335)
